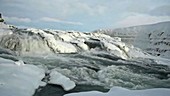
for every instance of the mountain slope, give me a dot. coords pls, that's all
(153, 38)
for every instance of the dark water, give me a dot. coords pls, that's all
(54, 90)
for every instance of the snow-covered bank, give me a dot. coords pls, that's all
(18, 79)
(118, 91)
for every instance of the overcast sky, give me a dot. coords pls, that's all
(84, 15)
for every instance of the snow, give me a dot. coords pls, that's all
(57, 46)
(114, 49)
(136, 53)
(153, 38)
(118, 91)
(83, 46)
(64, 47)
(59, 79)
(33, 47)
(19, 79)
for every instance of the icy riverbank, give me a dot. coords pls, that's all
(118, 91)
(18, 79)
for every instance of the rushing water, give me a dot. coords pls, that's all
(100, 71)
(95, 67)
(53, 90)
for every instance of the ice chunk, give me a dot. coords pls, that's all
(42, 84)
(59, 79)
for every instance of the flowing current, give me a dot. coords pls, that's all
(101, 71)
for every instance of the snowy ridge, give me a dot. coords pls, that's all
(154, 38)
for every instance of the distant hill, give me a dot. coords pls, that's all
(153, 38)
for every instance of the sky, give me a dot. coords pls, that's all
(84, 15)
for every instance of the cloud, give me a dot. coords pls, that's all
(93, 14)
(62, 8)
(17, 19)
(161, 11)
(48, 19)
(89, 10)
(142, 19)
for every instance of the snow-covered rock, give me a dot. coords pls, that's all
(83, 46)
(118, 91)
(116, 49)
(59, 79)
(40, 42)
(153, 38)
(20, 80)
